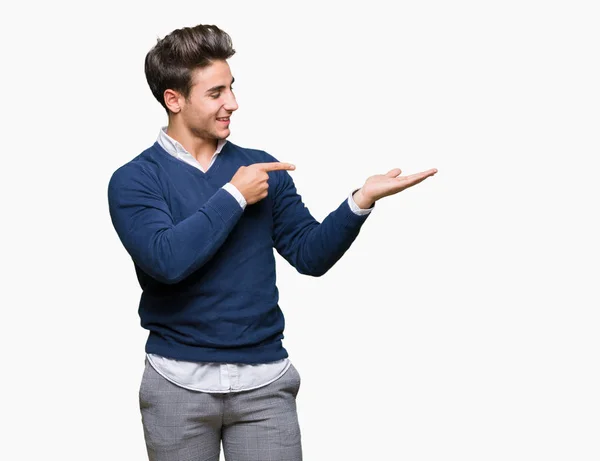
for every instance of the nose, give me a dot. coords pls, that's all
(230, 103)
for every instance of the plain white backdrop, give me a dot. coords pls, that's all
(463, 322)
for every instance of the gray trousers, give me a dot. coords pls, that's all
(256, 425)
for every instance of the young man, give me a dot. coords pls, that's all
(200, 217)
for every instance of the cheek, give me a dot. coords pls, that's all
(210, 112)
(205, 116)
(204, 111)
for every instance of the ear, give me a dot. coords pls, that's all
(173, 101)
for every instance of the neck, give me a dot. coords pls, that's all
(200, 148)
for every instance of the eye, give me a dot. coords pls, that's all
(215, 95)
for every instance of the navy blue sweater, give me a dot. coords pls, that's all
(206, 267)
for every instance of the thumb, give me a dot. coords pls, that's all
(393, 173)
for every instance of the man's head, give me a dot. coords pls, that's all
(188, 74)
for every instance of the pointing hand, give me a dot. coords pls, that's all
(251, 180)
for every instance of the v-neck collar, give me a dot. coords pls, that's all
(217, 161)
(176, 151)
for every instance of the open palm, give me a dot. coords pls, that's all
(382, 185)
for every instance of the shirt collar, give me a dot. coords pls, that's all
(174, 147)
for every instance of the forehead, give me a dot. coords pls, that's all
(217, 73)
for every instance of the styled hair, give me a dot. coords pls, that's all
(171, 62)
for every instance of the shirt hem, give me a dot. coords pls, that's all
(211, 391)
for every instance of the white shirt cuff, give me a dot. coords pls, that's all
(236, 194)
(355, 208)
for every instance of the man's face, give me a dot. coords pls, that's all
(206, 111)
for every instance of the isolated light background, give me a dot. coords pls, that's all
(463, 322)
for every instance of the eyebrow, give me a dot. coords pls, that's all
(219, 87)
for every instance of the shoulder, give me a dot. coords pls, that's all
(139, 170)
(250, 154)
(281, 178)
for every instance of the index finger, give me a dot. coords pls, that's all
(274, 166)
(422, 174)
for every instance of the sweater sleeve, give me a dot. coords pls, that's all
(311, 247)
(144, 224)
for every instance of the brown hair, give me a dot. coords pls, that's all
(171, 62)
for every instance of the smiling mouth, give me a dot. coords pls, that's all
(223, 119)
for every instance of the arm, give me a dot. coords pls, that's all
(313, 248)
(143, 221)
(309, 246)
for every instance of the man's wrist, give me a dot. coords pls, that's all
(362, 201)
(236, 194)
